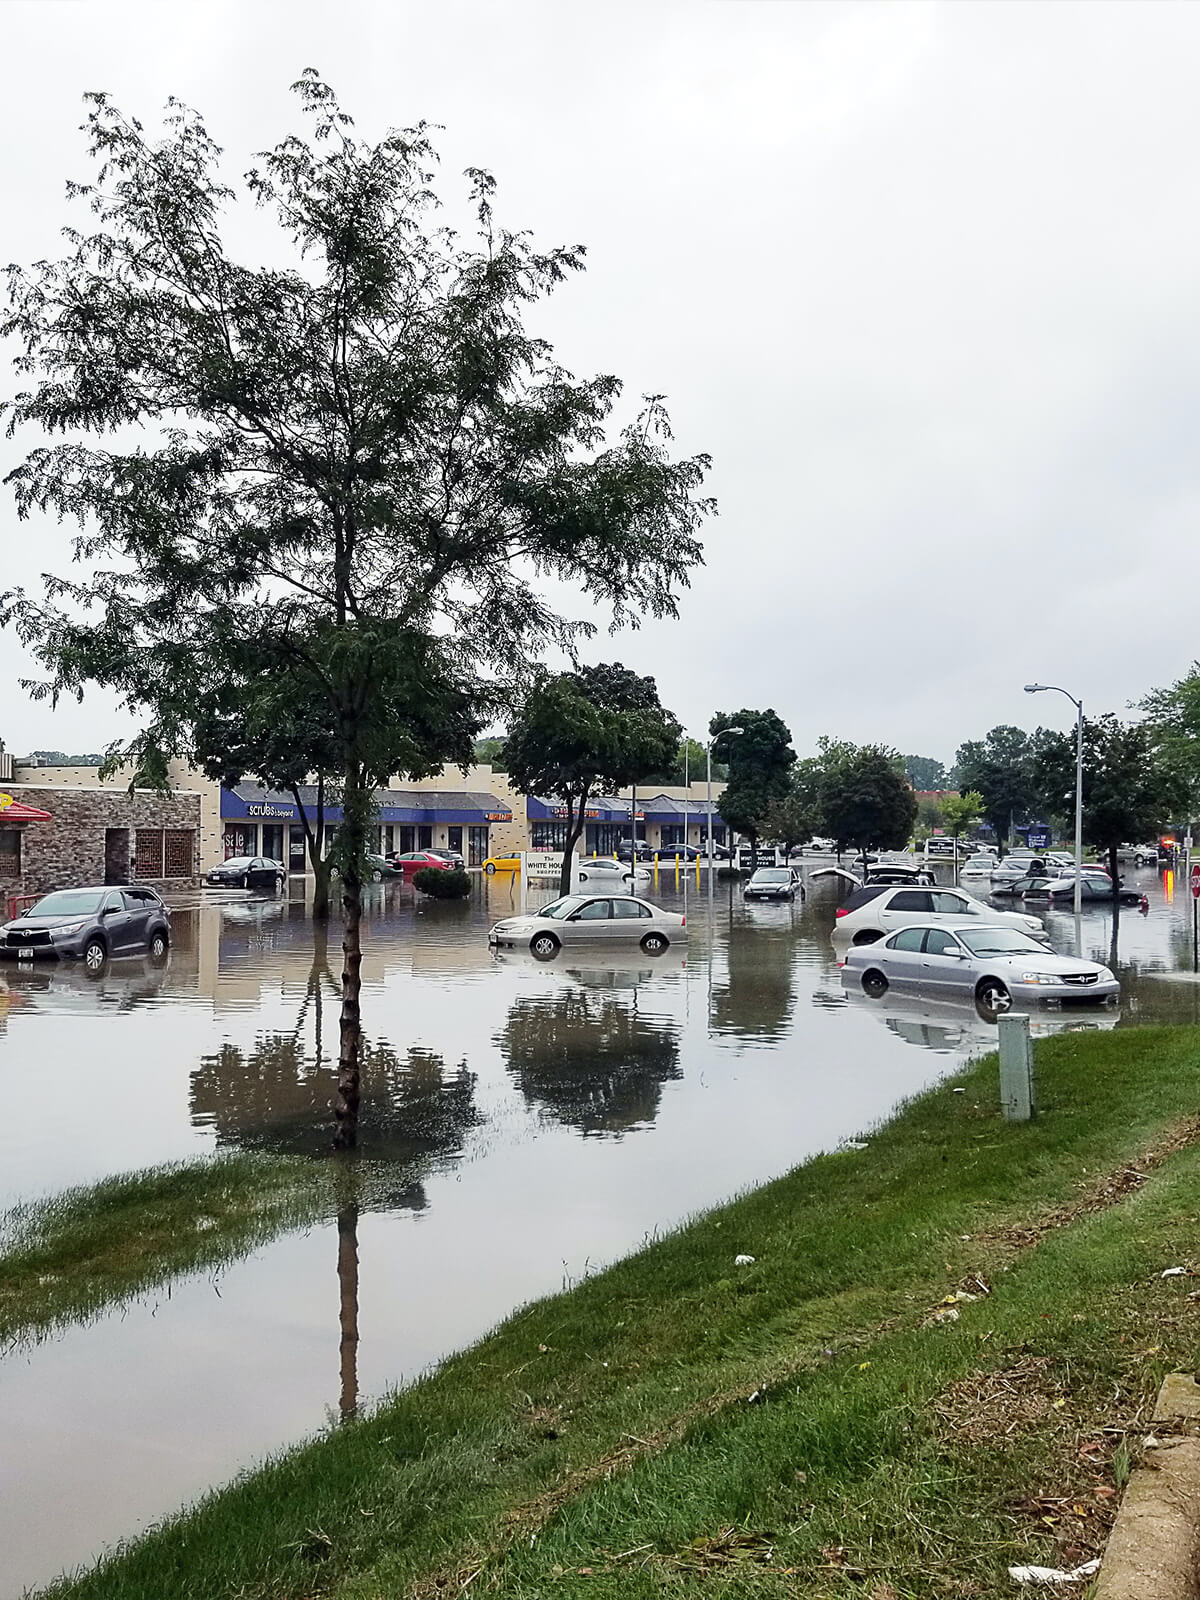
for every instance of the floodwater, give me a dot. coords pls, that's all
(523, 1125)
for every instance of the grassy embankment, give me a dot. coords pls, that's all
(803, 1426)
(67, 1257)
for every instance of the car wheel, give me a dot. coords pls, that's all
(654, 944)
(1139, 861)
(867, 936)
(544, 946)
(874, 983)
(490, 868)
(158, 945)
(95, 954)
(993, 996)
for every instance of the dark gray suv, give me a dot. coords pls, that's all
(92, 925)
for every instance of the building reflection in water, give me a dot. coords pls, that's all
(588, 1055)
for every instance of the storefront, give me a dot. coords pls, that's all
(58, 838)
(257, 822)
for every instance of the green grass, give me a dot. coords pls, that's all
(65, 1258)
(603, 1442)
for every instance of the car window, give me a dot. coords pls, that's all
(999, 942)
(113, 902)
(137, 899)
(911, 900)
(907, 939)
(626, 910)
(592, 911)
(955, 904)
(69, 903)
(561, 909)
(938, 941)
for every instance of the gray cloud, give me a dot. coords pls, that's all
(919, 277)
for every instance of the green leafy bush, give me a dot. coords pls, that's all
(443, 883)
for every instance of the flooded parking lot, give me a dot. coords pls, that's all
(523, 1124)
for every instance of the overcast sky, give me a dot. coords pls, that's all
(921, 278)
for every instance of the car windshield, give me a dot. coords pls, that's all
(562, 908)
(998, 942)
(772, 875)
(238, 861)
(69, 903)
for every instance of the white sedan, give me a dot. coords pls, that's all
(871, 912)
(603, 872)
(596, 919)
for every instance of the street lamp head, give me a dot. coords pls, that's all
(730, 731)
(1034, 688)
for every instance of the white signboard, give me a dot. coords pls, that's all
(542, 869)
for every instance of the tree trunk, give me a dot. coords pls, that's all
(575, 821)
(352, 840)
(314, 839)
(347, 1268)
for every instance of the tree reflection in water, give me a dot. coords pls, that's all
(415, 1116)
(589, 1057)
(754, 997)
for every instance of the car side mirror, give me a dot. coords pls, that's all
(110, 911)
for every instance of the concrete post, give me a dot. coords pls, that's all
(1016, 1068)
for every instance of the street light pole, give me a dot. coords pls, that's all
(1044, 688)
(732, 732)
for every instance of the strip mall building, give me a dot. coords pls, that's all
(97, 829)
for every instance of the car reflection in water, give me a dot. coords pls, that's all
(591, 1052)
(954, 1026)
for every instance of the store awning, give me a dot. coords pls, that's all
(14, 811)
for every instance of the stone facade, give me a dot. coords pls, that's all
(99, 835)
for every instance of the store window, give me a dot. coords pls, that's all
(672, 834)
(408, 837)
(272, 841)
(548, 835)
(424, 837)
(239, 839)
(477, 846)
(10, 852)
(297, 850)
(454, 839)
(604, 837)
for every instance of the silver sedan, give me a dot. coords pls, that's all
(591, 919)
(1000, 966)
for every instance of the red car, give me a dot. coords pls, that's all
(413, 860)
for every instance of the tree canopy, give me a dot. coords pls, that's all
(926, 772)
(759, 760)
(1129, 791)
(580, 733)
(865, 797)
(323, 463)
(999, 768)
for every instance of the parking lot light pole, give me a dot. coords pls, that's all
(732, 733)
(1051, 688)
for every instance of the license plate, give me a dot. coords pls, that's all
(24, 955)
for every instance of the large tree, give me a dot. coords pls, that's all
(1129, 790)
(925, 772)
(1173, 716)
(334, 457)
(866, 799)
(999, 767)
(760, 760)
(580, 733)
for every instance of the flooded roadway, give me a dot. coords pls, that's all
(523, 1124)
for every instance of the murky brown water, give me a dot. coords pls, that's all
(523, 1125)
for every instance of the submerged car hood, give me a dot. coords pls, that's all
(1047, 962)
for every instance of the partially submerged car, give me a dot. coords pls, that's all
(877, 909)
(995, 964)
(591, 919)
(91, 925)
(773, 883)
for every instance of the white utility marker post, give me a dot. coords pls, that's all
(1017, 1097)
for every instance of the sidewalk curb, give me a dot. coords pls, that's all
(1154, 1550)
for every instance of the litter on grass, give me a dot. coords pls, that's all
(1051, 1576)
(743, 1261)
(1175, 1272)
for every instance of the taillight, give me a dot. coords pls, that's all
(843, 911)
(683, 920)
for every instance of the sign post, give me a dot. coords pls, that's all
(1196, 917)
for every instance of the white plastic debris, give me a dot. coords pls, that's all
(960, 1091)
(1175, 1272)
(743, 1261)
(1049, 1576)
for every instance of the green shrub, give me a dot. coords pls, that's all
(443, 883)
